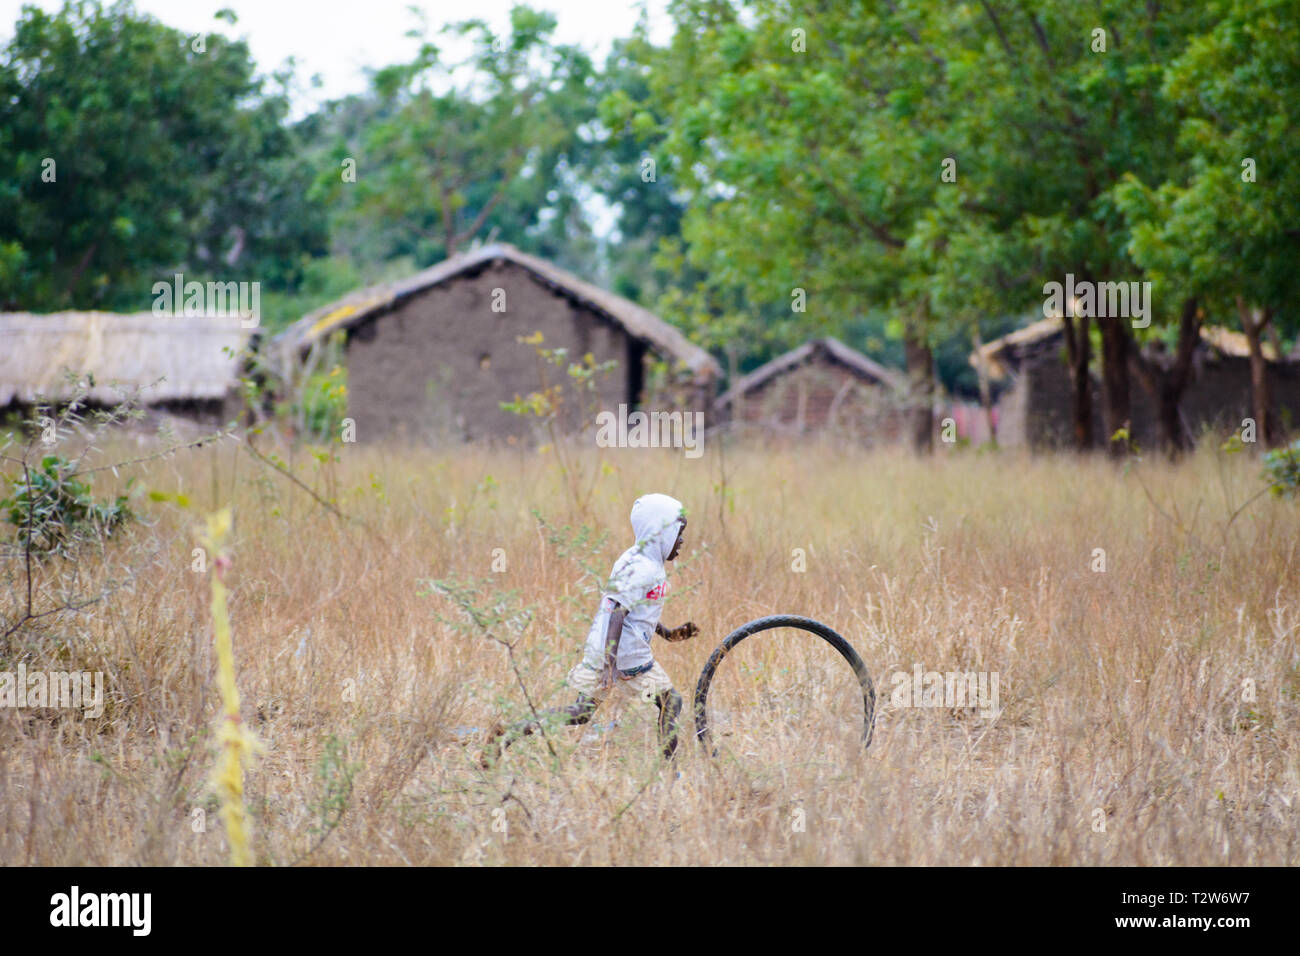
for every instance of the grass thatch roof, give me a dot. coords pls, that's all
(865, 368)
(1230, 342)
(1006, 354)
(363, 304)
(195, 357)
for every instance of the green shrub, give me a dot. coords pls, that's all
(1282, 470)
(56, 508)
(324, 404)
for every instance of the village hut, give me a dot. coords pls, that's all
(184, 365)
(433, 357)
(1034, 407)
(822, 387)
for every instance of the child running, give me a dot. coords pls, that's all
(618, 644)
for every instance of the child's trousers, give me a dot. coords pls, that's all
(647, 685)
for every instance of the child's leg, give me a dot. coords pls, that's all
(582, 679)
(576, 713)
(655, 685)
(501, 737)
(670, 708)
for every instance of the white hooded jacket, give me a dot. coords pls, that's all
(639, 582)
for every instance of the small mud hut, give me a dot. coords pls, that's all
(188, 366)
(433, 357)
(823, 386)
(1034, 408)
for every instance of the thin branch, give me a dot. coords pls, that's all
(155, 456)
(1039, 33)
(27, 546)
(295, 479)
(997, 26)
(72, 606)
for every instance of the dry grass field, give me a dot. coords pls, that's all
(1147, 711)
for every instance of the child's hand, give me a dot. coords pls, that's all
(685, 632)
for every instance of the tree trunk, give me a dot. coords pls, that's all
(1116, 344)
(982, 374)
(1078, 350)
(1169, 414)
(737, 409)
(1253, 323)
(1278, 352)
(448, 222)
(920, 378)
(1166, 380)
(71, 289)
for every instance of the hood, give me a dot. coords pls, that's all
(655, 522)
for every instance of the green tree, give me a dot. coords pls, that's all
(624, 168)
(941, 161)
(798, 153)
(1226, 229)
(1061, 101)
(129, 149)
(448, 152)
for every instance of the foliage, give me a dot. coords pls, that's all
(791, 148)
(1282, 470)
(129, 150)
(448, 152)
(334, 775)
(547, 406)
(548, 403)
(815, 164)
(52, 510)
(323, 404)
(629, 136)
(1213, 226)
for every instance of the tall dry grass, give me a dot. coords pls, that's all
(1126, 735)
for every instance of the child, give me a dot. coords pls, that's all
(618, 644)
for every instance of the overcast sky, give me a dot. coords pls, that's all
(337, 39)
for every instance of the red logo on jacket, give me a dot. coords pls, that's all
(657, 593)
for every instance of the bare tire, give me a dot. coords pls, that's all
(771, 623)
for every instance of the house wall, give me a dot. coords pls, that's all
(1285, 382)
(1038, 410)
(971, 421)
(1221, 397)
(821, 395)
(1046, 409)
(436, 368)
(1013, 410)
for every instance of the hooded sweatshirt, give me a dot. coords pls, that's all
(639, 583)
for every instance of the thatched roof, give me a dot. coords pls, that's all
(1007, 354)
(195, 357)
(1235, 344)
(865, 368)
(366, 303)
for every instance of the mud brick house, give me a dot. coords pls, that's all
(1034, 408)
(432, 357)
(823, 386)
(184, 365)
